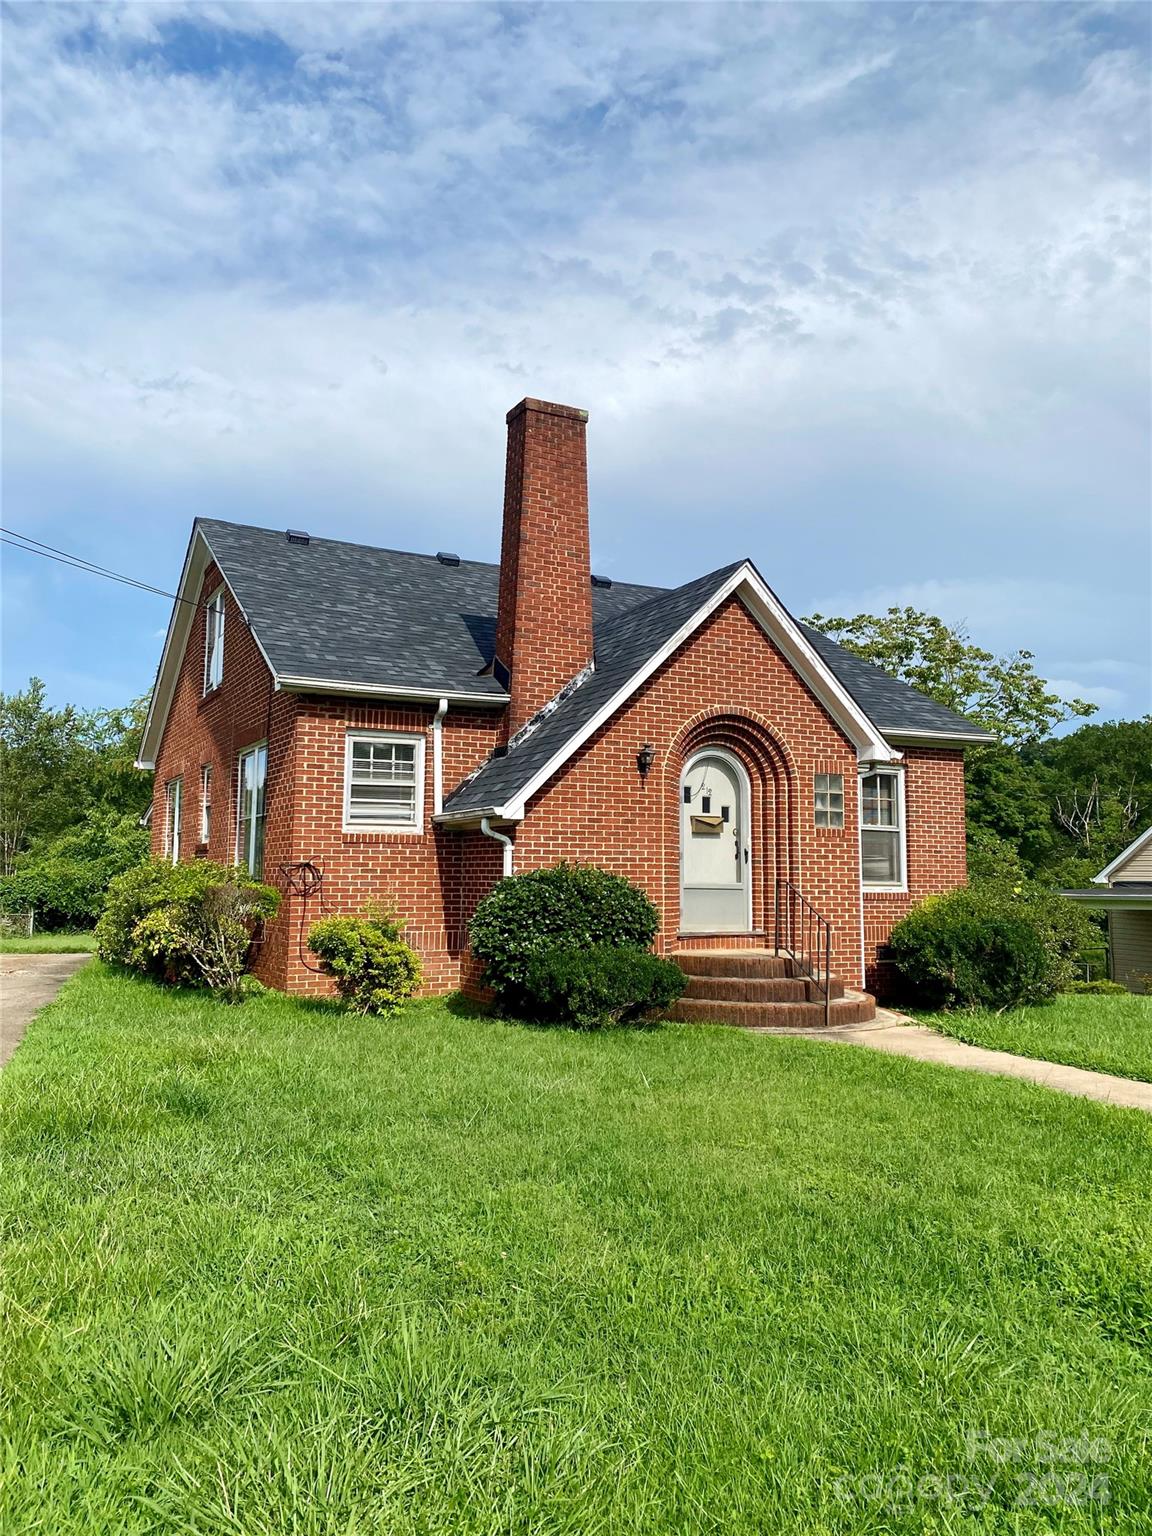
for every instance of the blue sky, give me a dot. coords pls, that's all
(859, 292)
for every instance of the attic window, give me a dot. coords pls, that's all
(601, 581)
(297, 536)
(447, 559)
(214, 641)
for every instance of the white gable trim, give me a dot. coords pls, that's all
(746, 583)
(185, 610)
(1121, 859)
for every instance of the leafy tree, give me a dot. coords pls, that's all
(42, 761)
(1098, 786)
(58, 764)
(1003, 694)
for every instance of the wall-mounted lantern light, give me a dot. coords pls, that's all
(645, 758)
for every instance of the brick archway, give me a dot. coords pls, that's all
(774, 830)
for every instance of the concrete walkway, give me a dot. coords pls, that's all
(27, 982)
(901, 1036)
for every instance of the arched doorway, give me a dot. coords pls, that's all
(715, 844)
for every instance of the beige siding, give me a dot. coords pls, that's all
(1131, 936)
(1138, 867)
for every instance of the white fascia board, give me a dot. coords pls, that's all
(1121, 859)
(386, 691)
(184, 610)
(766, 608)
(179, 623)
(940, 738)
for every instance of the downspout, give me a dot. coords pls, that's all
(501, 837)
(438, 757)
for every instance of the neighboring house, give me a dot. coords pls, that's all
(414, 726)
(1124, 891)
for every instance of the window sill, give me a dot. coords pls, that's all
(884, 890)
(379, 834)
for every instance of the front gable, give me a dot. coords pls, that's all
(636, 649)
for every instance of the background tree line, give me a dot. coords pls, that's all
(1053, 809)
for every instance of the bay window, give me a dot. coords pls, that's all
(882, 829)
(250, 812)
(383, 782)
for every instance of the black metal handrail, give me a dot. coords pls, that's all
(806, 936)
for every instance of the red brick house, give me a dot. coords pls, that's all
(409, 727)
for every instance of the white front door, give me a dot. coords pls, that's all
(715, 872)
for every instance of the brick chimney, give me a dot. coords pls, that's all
(544, 619)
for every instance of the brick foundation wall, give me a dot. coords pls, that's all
(936, 851)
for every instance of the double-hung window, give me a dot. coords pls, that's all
(173, 805)
(882, 829)
(383, 782)
(250, 812)
(214, 642)
(829, 791)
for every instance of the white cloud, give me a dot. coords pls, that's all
(884, 266)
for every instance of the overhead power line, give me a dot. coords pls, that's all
(32, 546)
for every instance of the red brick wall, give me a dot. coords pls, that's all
(544, 621)
(727, 686)
(934, 817)
(420, 874)
(214, 730)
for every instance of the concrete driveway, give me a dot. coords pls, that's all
(27, 982)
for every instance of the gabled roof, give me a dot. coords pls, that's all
(628, 651)
(338, 618)
(1118, 863)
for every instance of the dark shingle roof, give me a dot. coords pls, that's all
(380, 618)
(888, 702)
(326, 611)
(622, 648)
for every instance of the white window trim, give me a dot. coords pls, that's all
(205, 801)
(866, 769)
(829, 826)
(216, 603)
(242, 854)
(374, 828)
(173, 796)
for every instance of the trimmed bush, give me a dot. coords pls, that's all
(991, 946)
(1100, 987)
(570, 906)
(601, 986)
(374, 969)
(190, 924)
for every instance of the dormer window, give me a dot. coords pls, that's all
(214, 642)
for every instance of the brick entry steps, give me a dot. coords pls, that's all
(757, 989)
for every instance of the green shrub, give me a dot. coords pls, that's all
(191, 924)
(988, 946)
(64, 879)
(570, 906)
(602, 985)
(374, 969)
(1100, 987)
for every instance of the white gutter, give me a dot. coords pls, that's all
(501, 837)
(383, 691)
(438, 757)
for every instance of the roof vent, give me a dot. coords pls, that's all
(297, 536)
(601, 581)
(446, 559)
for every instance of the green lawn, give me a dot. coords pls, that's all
(276, 1271)
(1107, 1033)
(49, 944)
